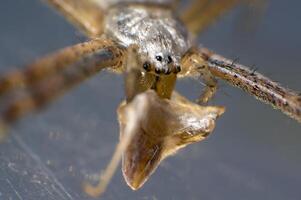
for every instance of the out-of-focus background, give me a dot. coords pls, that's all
(254, 152)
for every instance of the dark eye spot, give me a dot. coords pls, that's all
(159, 58)
(169, 59)
(147, 66)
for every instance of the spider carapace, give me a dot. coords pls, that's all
(152, 46)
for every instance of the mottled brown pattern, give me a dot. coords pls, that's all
(51, 76)
(254, 83)
(51, 65)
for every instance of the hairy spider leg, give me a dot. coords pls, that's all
(99, 54)
(201, 14)
(135, 83)
(193, 9)
(49, 65)
(254, 83)
(193, 64)
(86, 15)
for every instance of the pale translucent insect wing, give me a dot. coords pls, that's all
(87, 15)
(152, 128)
(164, 127)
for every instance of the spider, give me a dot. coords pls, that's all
(156, 68)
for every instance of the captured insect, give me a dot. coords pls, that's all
(152, 47)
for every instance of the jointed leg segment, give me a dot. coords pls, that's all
(50, 65)
(209, 66)
(133, 87)
(193, 64)
(193, 9)
(54, 74)
(264, 89)
(202, 13)
(153, 125)
(87, 15)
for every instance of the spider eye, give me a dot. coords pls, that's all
(159, 58)
(147, 66)
(169, 59)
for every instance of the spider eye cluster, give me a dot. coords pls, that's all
(147, 66)
(159, 58)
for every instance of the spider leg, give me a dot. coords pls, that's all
(176, 4)
(194, 7)
(201, 13)
(254, 83)
(49, 65)
(193, 64)
(136, 82)
(53, 75)
(87, 15)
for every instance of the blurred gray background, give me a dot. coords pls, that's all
(254, 152)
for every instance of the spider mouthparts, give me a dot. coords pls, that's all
(158, 71)
(166, 71)
(177, 69)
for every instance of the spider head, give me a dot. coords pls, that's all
(161, 54)
(162, 64)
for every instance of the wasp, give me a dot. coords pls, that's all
(153, 46)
